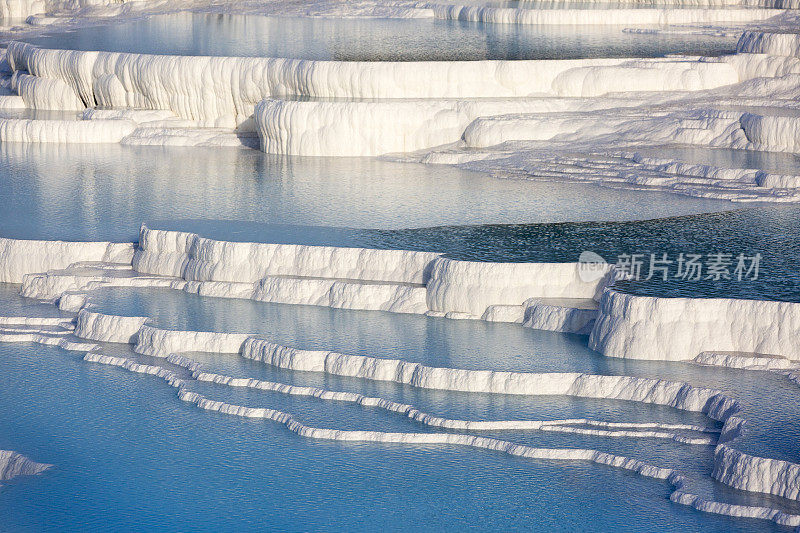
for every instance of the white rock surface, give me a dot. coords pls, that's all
(471, 287)
(756, 474)
(64, 131)
(772, 133)
(108, 328)
(771, 43)
(631, 16)
(749, 361)
(641, 327)
(181, 83)
(580, 426)
(678, 395)
(358, 278)
(368, 296)
(11, 101)
(45, 93)
(200, 259)
(161, 342)
(564, 316)
(63, 285)
(21, 9)
(13, 464)
(21, 257)
(347, 128)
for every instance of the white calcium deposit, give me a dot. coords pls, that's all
(108, 328)
(64, 131)
(470, 287)
(181, 83)
(641, 327)
(767, 475)
(22, 9)
(354, 278)
(179, 250)
(21, 257)
(197, 258)
(441, 112)
(633, 16)
(13, 464)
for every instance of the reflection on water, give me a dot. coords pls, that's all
(374, 39)
(106, 191)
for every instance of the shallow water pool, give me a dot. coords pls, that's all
(100, 192)
(202, 34)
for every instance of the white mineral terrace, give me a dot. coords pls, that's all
(13, 465)
(442, 111)
(595, 120)
(420, 282)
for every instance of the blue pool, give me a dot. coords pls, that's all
(105, 192)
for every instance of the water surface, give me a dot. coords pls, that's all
(128, 452)
(104, 192)
(202, 34)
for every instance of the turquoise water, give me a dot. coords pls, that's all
(373, 39)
